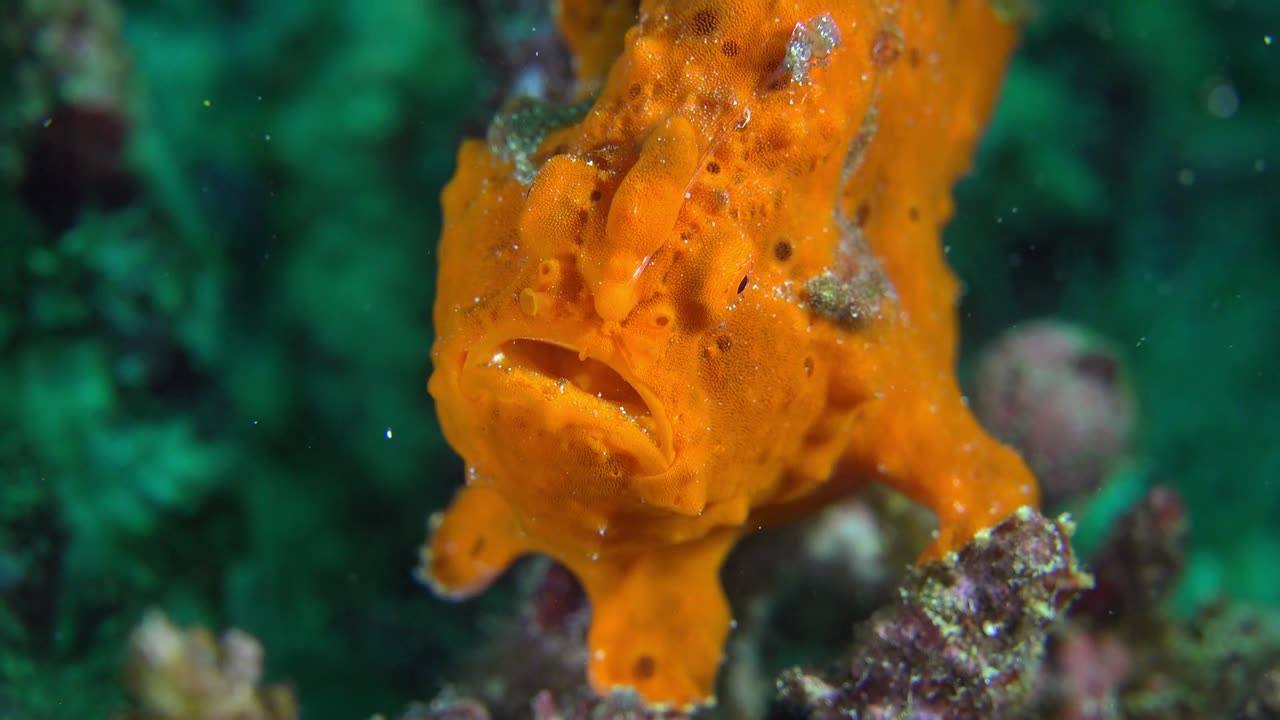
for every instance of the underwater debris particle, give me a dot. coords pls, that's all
(810, 46)
(860, 144)
(854, 301)
(518, 130)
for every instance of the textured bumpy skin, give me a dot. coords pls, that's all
(711, 299)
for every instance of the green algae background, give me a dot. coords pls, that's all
(212, 397)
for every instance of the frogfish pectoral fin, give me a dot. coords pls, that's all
(659, 620)
(988, 482)
(471, 544)
(936, 453)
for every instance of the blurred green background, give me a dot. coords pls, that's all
(212, 387)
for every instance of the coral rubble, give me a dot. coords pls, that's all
(188, 675)
(965, 638)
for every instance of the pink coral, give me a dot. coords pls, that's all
(1058, 393)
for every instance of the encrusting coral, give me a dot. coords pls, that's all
(176, 674)
(966, 637)
(1125, 653)
(710, 298)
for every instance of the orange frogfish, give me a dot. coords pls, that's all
(709, 297)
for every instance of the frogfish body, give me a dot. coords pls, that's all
(707, 298)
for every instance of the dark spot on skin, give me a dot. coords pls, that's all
(662, 321)
(583, 216)
(724, 343)
(782, 251)
(477, 547)
(808, 367)
(713, 167)
(730, 48)
(705, 22)
(886, 47)
(595, 195)
(561, 149)
(645, 667)
(1099, 366)
(634, 90)
(743, 285)
(862, 214)
(913, 57)
(914, 213)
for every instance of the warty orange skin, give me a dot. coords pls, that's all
(712, 301)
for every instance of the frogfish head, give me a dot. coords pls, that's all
(612, 350)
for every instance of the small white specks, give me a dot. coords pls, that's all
(594, 556)
(498, 357)
(388, 433)
(598, 655)
(959, 507)
(602, 529)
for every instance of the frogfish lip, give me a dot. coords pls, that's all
(569, 390)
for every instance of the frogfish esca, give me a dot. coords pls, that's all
(710, 297)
